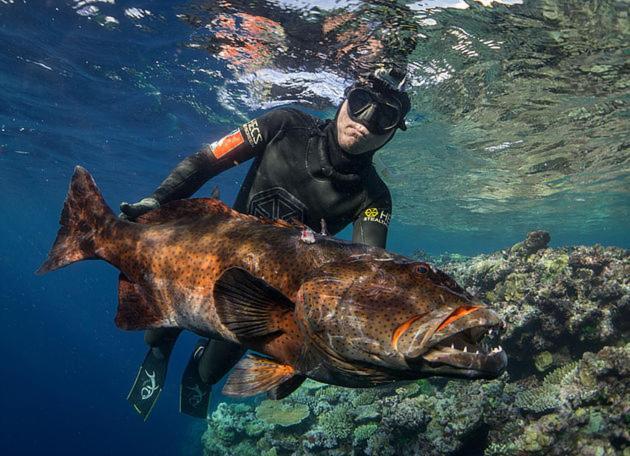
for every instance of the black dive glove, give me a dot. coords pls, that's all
(134, 210)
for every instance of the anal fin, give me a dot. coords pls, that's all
(136, 307)
(256, 374)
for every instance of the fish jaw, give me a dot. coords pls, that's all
(467, 347)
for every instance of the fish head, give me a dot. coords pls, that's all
(402, 317)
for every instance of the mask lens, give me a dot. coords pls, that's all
(388, 116)
(359, 100)
(384, 116)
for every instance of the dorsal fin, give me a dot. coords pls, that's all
(179, 209)
(200, 207)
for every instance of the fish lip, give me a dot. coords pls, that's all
(483, 318)
(483, 364)
(459, 354)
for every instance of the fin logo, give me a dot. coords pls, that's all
(149, 385)
(252, 132)
(196, 397)
(277, 203)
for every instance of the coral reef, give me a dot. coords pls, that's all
(561, 301)
(566, 392)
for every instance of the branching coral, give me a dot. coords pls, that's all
(551, 394)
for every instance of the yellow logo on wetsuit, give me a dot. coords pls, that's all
(372, 214)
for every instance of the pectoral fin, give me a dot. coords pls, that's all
(248, 306)
(255, 374)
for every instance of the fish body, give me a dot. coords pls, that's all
(316, 307)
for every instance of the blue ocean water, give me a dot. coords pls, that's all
(127, 100)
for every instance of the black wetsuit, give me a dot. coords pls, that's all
(300, 172)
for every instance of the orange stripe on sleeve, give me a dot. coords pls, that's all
(227, 144)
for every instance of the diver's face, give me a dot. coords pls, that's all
(355, 138)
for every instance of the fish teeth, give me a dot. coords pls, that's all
(453, 346)
(477, 352)
(465, 349)
(490, 332)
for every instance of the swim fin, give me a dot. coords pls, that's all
(149, 382)
(194, 393)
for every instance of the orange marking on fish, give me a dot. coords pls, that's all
(404, 327)
(456, 315)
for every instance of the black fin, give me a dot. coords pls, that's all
(255, 374)
(148, 383)
(248, 306)
(284, 389)
(194, 393)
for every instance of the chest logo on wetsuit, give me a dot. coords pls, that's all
(252, 131)
(277, 203)
(372, 214)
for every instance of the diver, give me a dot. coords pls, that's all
(304, 168)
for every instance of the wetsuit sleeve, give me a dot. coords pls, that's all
(373, 221)
(242, 144)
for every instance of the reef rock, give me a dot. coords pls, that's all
(557, 302)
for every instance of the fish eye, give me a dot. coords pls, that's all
(422, 269)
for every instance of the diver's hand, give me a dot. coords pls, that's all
(135, 210)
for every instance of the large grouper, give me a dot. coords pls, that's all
(307, 305)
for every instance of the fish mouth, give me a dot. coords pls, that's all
(469, 349)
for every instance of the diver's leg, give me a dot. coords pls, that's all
(151, 375)
(217, 359)
(208, 364)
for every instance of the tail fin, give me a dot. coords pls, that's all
(83, 210)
